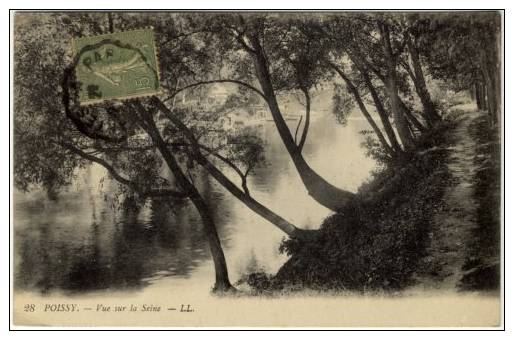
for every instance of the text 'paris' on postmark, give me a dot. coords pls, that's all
(115, 66)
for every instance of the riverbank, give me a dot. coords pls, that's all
(425, 222)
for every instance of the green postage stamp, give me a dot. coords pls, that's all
(116, 66)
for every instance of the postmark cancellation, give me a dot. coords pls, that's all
(116, 66)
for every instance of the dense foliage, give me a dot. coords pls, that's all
(215, 66)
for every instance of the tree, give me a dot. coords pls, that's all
(71, 136)
(254, 47)
(391, 59)
(355, 42)
(352, 88)
(463, 49)
(416, 73)
(153, 131)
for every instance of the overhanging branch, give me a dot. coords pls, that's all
(164, 192)
(215, 81)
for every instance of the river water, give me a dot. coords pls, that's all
(81, 243)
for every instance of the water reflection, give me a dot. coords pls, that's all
(80, 242)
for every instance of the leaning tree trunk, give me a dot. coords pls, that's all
(388, 128)
(243, 196)
(411, 118)
(420, 84)
(356, 95)
(392, 90)
(251, 203)
(307, 118)
(318, 188)
(222, 283)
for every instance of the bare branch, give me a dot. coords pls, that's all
(182, 36)
(408, 69)
(297, 128)
(307, 118)
(197, 147)
(215, 81)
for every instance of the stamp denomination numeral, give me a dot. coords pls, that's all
(142, 83)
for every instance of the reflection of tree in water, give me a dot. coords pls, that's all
(215, 198)
(266, 175)
(119, 249)
(122, 247)
(170, 243)
(277, 162)
(40, 261)
(86, 271)
(253, 265)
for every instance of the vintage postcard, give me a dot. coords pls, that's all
(257, 169)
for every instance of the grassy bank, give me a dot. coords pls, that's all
(378, 241)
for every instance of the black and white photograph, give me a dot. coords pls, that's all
(257, 168)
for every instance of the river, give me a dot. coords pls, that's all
(80, 243)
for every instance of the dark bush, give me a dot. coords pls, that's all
(376, 243)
